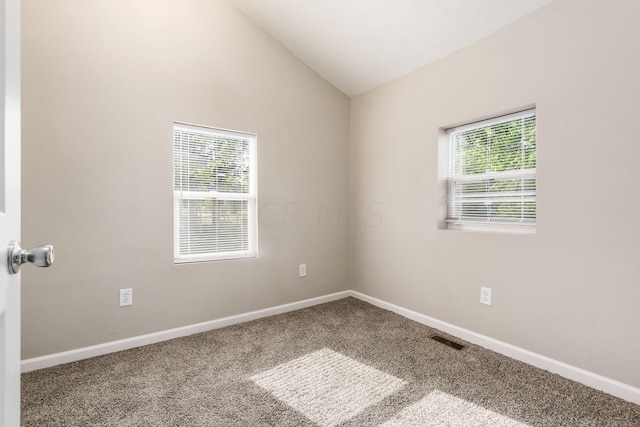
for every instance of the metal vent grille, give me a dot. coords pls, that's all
(445, 341)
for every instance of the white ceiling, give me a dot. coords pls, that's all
(360, 44)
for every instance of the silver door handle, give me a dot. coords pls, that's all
(42, 256)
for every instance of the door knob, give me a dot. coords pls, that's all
(42, 256)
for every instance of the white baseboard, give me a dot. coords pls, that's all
(50, 360)
(599, 382)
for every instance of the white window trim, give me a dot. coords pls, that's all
(251, 197)
(492, 227)
(483, 225)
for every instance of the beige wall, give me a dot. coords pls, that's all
(571, 291)
(103, 82)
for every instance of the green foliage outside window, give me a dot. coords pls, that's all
(501, 155)
(206, 163)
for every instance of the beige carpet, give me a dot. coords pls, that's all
(344, 363)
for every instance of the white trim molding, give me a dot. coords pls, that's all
(593, 380)
(599, 382)
(55, 359)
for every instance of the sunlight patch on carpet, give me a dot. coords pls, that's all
(439, 408)
(328, 387)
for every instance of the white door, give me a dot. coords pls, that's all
(9, 211)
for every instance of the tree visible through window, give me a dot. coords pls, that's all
(214, 194)
(492, 172)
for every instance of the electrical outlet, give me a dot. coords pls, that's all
(303, 270)
(126, 297)
(485, 296)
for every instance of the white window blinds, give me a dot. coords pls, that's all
(215, 213)
(492, 172)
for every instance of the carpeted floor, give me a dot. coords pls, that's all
(345, 363)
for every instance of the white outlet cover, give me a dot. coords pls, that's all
(126, 297)
(303, 270)
(485, 296)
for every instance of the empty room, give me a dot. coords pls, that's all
(320, 213)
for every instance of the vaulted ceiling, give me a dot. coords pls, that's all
(360, 44)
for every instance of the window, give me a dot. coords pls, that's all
(491, 179)
(214, 194)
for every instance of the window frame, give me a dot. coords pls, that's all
(251, 197)
(447, 165)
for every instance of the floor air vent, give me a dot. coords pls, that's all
(445, 341)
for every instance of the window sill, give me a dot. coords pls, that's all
(492, 228)
(225, 256)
